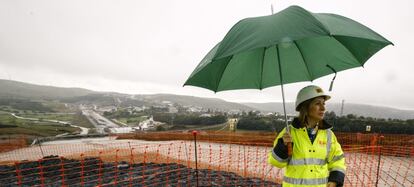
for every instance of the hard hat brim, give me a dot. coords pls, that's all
(326, 97)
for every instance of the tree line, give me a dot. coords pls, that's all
(22, 104)
(348, 123)
(354, 123)
(189, 119)
(252, 121)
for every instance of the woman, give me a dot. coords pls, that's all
(317, 158)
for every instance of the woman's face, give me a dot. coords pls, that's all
(316, 109)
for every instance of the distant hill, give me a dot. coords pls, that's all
(349, 108)
(21, 90)
(124, 100)
(211, 103)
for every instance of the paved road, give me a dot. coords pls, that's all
(98, 120)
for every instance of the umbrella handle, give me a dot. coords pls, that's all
(289, 146)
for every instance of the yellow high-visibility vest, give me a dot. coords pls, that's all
(310, 164)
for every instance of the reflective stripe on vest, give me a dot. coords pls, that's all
(316, 181)
(328, 143)
(336, 158)
(307, 161)
(337, 169)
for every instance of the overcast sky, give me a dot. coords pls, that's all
(152, 46)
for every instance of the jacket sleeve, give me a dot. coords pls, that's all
(336, 163)
(278, 156)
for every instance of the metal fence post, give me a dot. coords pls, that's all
(379, 158)
(195, 154)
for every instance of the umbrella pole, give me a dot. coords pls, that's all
(281, 85)
(289, 145)
(284, 107)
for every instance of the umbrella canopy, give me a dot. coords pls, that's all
(293, 45)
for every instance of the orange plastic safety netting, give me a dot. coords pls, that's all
(371, 160)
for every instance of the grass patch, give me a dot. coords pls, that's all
(39, 130)
(13, 126)
(50, 116)
(74, 118)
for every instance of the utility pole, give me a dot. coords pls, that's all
(342, 107)
(271, 8)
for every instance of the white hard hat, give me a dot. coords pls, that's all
(309, 92)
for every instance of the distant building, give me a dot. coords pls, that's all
(206, 115)
(167, 103)
(234, 111)
(120, 130)
(194, 109)
(159, 108)
(106, 109)
(289, 118)
(172, 109)
(138, 109)
(147, 124)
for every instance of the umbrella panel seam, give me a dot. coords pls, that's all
(304, 61)
(222, 73)
(261, 75)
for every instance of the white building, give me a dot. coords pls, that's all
(167, 103)
(147, 124)
(120, 130)
(172, 109)
(206, 115)
(106, 109)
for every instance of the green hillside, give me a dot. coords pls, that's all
(19, 90)
(211, 103)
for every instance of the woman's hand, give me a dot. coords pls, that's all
(331, 184)
(287, 138)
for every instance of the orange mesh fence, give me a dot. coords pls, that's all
(148, 164)
(379, 166)
(210, 136)
(12, 143)
(223, 162)
(347, 139)
(373, 139)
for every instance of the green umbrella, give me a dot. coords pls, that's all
(293, 45)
